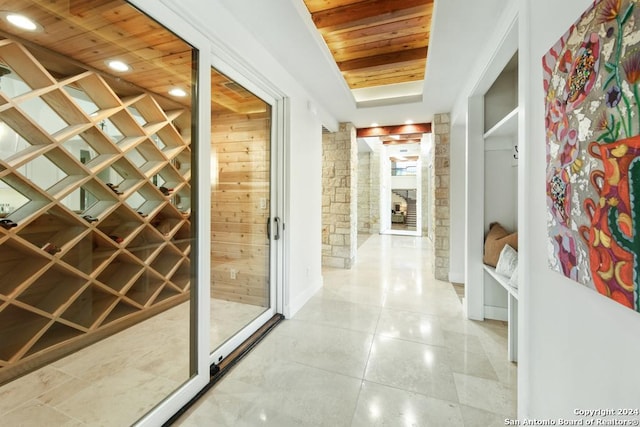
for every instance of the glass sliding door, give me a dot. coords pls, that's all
(97, 247)
(243, 223)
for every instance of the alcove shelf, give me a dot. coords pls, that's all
(501, 189)
(506, 127)
(492, 182)
(95, 244)
(512, 311)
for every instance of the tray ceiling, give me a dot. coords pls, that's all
(375, 42)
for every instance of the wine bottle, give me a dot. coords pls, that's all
(89, 218)
(51, 249)
(7, 223)
(166, 191)
(114, 188)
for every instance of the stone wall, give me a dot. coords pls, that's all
(374, 195)
(364, 193)
(441, 217)
(339, 197)
(427, 202)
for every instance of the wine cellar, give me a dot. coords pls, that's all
(95, 205)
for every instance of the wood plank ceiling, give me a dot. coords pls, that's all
(90, 32)
(375, 42)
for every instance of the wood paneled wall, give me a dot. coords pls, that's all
(240, 207)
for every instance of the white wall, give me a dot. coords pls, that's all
(406, 182)
(583, 349)
(457, 203)
(303, 186)
(304, 217)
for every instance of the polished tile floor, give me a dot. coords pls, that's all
(382, 344)
(132, 371)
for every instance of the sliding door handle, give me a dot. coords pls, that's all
(269, 228)
(277, 236)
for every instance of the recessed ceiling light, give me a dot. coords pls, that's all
(374, 125)
(408, 122)
(21, 21)
(176, 91)
(117, 65)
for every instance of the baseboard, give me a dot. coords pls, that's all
(495, 313)
(298, 302)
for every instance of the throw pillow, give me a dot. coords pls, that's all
(513, 280)
(507, 262)
(496, 239)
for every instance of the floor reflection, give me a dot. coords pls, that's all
(132, 371)
(382, 344)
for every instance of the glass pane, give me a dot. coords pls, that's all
(240, 198)
(96, 268)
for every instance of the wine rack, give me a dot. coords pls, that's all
(104, 239)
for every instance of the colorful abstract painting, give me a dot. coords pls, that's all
(592, 119)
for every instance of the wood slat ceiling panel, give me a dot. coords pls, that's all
(379, 47)
(93, 31)
(228, 96)
(407, 73)
(367, 34)
(320, 5)
(373, 41)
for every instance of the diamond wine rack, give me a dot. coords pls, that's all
(103, 241)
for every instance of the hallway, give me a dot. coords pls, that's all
(381, 344)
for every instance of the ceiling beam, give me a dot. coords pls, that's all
(401, 27)
(394, 130)
(384, 59)
(352, 14)
(402, 141)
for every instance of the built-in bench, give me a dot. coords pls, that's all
(512, 312)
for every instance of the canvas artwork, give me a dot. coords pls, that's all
(592, 119)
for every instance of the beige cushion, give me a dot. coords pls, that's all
(513, 280)
(507, 262)
(496, 239)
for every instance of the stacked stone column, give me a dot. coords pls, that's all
(339, 197)
(364, 193)
(441, 214)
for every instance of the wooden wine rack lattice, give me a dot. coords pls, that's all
(69, 277)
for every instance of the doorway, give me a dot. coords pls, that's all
(245, 226)
(402, 190)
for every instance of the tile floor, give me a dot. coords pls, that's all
(132, 371)
(228, 317)
(382, 344)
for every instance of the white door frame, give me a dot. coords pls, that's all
(210, 54)
(200, 291)
(385, 195)
(262, 90)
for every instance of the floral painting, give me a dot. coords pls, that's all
(592, 120)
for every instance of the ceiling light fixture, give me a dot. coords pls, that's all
(118, 65)
(374, 125)
(176, 91)
(21, 21)
(408, 122)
